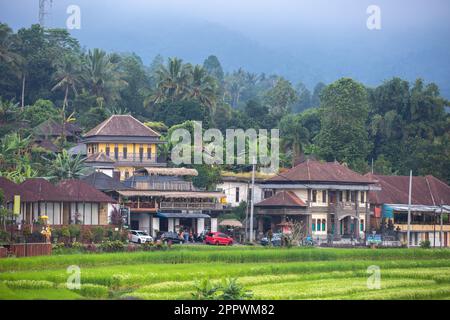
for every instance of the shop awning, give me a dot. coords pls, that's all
(178, 215)
(388, 209)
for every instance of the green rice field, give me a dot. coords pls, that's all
(269, 273)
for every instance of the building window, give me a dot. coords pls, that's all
(347, 196)
(127, 174)
(125, 152)
(314, 225)
(341, 196)
(237, 195)
(107, 150)
(324, 196)
(324, 225)
(141, 153)
(353, 196)
(249, 194)
(268, 194)
(149, 152)
(314, 196)
(318, 225)
(361, 225)
(363, 197)
(116, 152)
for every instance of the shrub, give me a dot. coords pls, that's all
(87, 236)
(425, 244)
(98, 234)
(77, 246)
(75, 231)
(94, 291)
(112, 246)
(65, 234)
(205, 290)
(4, 236)
(29, 284)
(231, 290)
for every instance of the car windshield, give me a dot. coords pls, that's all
(142, 233)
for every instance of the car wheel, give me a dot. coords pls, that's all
(217, 243)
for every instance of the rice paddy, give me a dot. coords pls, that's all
(270, 273)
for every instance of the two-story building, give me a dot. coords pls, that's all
(430, 208)
(122, 144)
(237, 187)
(165, 199)
(328, 199)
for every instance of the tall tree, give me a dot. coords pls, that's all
(214, 68)
(281, 98)
(344, 113)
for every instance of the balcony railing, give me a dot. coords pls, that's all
(169, 186)
(130, 157)
(191, 205)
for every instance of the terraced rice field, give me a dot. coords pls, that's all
(296, 273)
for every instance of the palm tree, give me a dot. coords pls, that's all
(13, 150)
(8, 56)
(101, 75)
(8, 111)
(203, 87)
(172, 82)
(295, 137)
(67, 76)
(64, 166)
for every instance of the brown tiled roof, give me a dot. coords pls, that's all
(426, 190)
(317, 171)
(122, 125)
(282, 199)
(48, 145)
(103, 182)
(52, 127)
(42, 190)
(99, 157)
(10, 189)
(80, 191)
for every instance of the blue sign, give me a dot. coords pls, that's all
(374, 238)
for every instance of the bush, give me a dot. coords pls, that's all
(98, 234)
(231, 290)
(228, 290)
(4, 236)
(77, 246)
(87, 236)
(94, 291)
(425, 244)
(75, 231)
(112, 246)
(29, 284)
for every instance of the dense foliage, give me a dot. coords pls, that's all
(45, 74)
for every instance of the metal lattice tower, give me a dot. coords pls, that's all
(45, 7)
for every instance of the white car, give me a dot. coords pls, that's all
(138, 236)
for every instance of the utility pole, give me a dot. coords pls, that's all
(409, 209)
(441, 234)
(253, 198)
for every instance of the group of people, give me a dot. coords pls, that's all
(187, 235)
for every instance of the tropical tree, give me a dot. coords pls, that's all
(172, 82)
(101, 76)
(203, 87)
(294, 137)
(65, 166)
(14, 150)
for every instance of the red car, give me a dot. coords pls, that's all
(218, 238)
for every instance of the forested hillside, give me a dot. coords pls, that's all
(45, 74)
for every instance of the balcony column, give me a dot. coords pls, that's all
(213, 224)
(200, 225)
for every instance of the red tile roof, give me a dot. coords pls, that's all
(426, 190)
(122, 125)
(282, 199)
(10, 189)
(80, 191)
(42, 190)
(317, 171)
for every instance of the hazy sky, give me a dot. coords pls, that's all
(304, 40)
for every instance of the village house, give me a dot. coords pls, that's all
(430, 206)
(69, 202)
(164, 199)
(237, 187)
(328, 199)
(120, 145)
